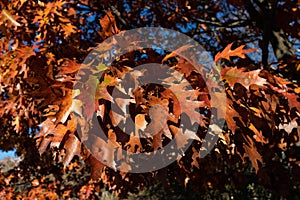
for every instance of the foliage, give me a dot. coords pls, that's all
(43, 44)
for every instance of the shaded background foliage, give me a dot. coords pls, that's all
(43, 42)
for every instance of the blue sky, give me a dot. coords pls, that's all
(7, 154)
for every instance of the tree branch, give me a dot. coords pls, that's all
(116, 12)
(229, 24)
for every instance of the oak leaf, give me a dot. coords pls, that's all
(185, 67)
(240, 75)
(176, 52)
(96, 167)
(72, 148)
(134, 144)
(109, 25)
(258, 136)
(185, 101)
(227, 52)
(251, 153)
(68, 67)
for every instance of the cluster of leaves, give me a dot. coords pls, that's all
(50, 182)
(42, 46)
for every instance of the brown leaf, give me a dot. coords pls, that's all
(157, 141)
(65, 106)
(185, 67)
(176, 52)
(120, 117)
(134, 144)
(109, 25)
(258, 135)
(46, 126)
(103, 150)
(60, 131)
(68, 67)
(45, 141)
(96, 167)
(227, 52)
(183, 137)
(185, 101)
(158, 115)
(72, 147)
(294, 100)
(251, 152)
(195, 158)
(239, 75)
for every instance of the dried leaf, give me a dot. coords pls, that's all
(293, 99)
(16, 124)
(176, 52)
(227, 52)
(158, 115)
(72, 148)
(96, 167)
(68, 67)
(185, 67)
(134, 144)
(185, 101)
(109, 25)
(258, 135)
(239, 75)
(251, 152)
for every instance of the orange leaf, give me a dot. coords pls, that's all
(96, 167)
(68, 67)
(258, 136)
(227, 52)
(134, 144)
(72, 147)
(293, 100)
(109, 25)
(231, 115)
(239, 75)
(176, 52)
(185, 67)
(185, 101)
(68, 28)
(17, 125)
(251, 152)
